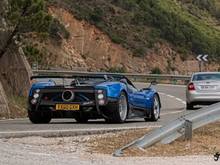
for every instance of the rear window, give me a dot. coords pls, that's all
(204, 77)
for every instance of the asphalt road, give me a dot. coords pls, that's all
(173, 106)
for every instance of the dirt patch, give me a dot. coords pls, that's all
(205, 141)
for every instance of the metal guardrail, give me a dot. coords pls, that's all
(174, 79)
(183, 126)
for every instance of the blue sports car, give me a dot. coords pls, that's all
(83, 97)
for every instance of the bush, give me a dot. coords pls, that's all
(156, 70)
(116, 39)
(116, 70)
(126, 4)
(139, 52)
(208, 5)
(97, 15)
(33, 54)
(32, 16)
(57, 30)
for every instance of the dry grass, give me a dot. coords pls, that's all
(205, 141)
(17, 106)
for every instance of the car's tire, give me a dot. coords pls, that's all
(189, 106)
(39, 117)
(81, 119)
(120, 110)
(155, 110)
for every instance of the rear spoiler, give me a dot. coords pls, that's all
(75, 76)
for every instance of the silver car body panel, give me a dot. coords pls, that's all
(207, 90)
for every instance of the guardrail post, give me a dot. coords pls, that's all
(188, 130)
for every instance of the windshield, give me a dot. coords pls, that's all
(80, 80)
(204, 77)
(72, 81)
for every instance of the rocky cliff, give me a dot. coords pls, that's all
(88, 47)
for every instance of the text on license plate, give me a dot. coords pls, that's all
(67, 107)
(207, 87)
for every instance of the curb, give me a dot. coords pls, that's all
(66, 133)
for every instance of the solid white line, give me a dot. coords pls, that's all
(179, 99)
(171, 85)
(184, 102)
(168, 113)
(171, 96)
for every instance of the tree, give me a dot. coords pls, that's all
(26, 16)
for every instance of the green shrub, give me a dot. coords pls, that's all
(116, 39)
(32, 16)
(96, 15)
(139, 51)
(156, 70)
(57, 30)
(33, 54)
(116, 70)
(126, 4)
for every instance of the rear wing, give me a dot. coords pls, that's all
(79, 76)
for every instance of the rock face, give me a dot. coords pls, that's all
(14, 71)
(3, 24)
(3, 11)
(4, 109)
(89, 47)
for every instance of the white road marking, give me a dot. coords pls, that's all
(168, 113)
(179, 99)
(171, 96)
(171, 85)
(174, 97)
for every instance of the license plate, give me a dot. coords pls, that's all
(207, 87)
(67, 107)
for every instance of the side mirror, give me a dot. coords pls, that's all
(148, 88)
(153, 83)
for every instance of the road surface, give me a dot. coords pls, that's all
(51, 151)
(173, 105)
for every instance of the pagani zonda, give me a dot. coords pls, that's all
(84, 97)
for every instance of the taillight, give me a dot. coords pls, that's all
(191, 87)
(46, 98)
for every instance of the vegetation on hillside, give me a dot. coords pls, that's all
(138, 24)
(31, 16)
(211, 6)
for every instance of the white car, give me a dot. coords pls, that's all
(203, 89)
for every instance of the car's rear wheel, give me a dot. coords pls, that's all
(155, 110)
(119, 111)
(189, 106)
(39, 117)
